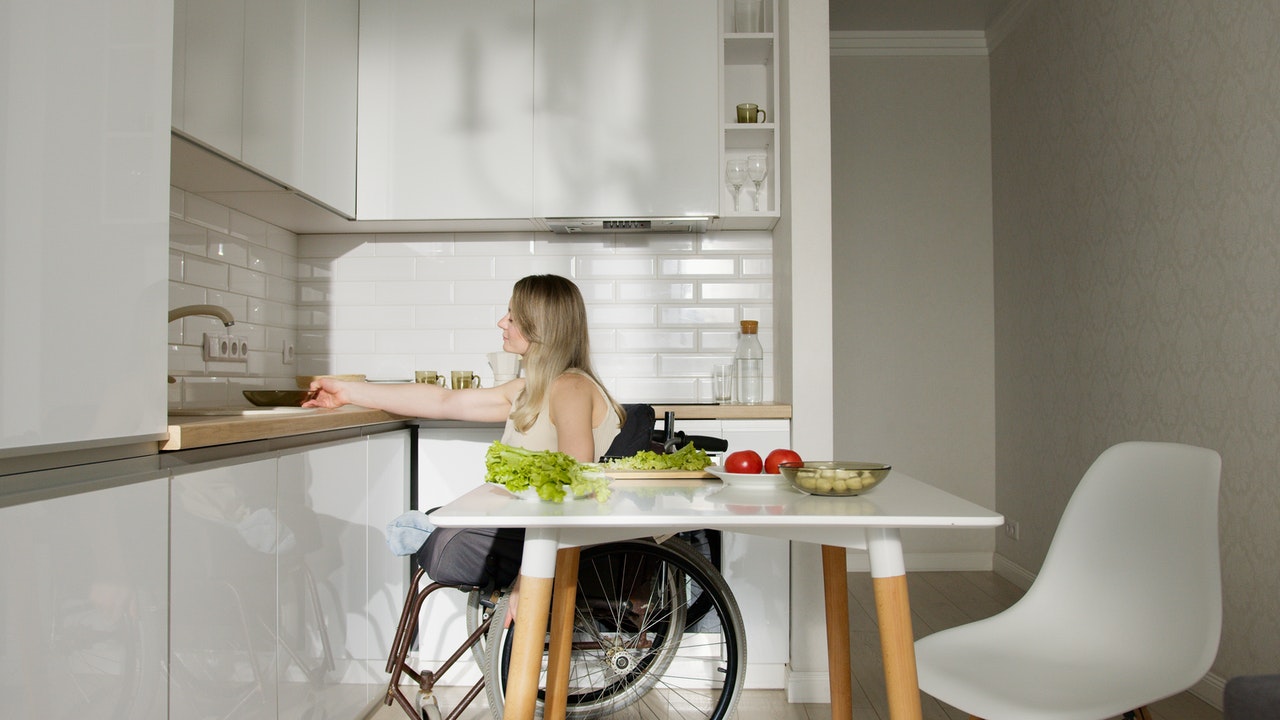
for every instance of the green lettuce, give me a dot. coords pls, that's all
(548, 472)
(686, 458)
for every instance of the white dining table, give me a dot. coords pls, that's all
(871, 521)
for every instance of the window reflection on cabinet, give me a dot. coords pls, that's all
(749, 76)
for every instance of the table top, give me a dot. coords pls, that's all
(899, 502)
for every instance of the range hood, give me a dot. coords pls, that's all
(585, 226)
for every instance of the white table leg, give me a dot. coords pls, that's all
(537, 570)
(893, 616)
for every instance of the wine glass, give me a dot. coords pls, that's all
(757, 168)
(735, 172)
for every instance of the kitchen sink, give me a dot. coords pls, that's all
(240, 411)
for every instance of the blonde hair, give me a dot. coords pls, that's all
(552, 316)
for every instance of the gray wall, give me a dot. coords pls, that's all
(1136, 173)
(911, 250)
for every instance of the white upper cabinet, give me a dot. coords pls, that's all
(272, 84)
(211, 87)
(446, 110)
(85, 205)
(625, 108)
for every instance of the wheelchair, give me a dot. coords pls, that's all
(656, 633)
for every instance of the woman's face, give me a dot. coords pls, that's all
(513, 340)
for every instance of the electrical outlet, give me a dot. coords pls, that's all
(288, 353)
(1011, 529)
(226, 348)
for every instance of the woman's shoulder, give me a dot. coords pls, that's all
(573, 380)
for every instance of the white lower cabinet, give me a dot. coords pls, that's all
(285, 596)
(222, 629)
(757, 568)
(83, 604)
(450, 462)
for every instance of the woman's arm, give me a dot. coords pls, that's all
(423, 400)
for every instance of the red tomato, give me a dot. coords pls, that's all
(779, 456)
(746, 462)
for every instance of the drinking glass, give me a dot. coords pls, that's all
(757, 168)
(735, 172)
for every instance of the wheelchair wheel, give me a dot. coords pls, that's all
(637, 652)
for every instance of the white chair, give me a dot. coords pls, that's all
(1126, 610)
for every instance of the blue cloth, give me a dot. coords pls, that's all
(407, 533)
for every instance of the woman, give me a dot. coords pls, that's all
(559, 404)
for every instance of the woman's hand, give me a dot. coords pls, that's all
(327, 393)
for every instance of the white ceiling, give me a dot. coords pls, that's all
(900, 15)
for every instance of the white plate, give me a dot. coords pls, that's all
(755, 481)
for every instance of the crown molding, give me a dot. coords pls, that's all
(937, 42)
(911, 42)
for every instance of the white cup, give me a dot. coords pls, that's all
(504, 365)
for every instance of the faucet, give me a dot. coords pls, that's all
(215, 311)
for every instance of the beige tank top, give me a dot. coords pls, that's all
(542, 435)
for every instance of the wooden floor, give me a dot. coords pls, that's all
(939, 600)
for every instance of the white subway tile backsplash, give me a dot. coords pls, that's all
(319, 247)
(270, 262)
(390, 318)
(454, 317)
(228, 249)
(466, 267)
(609, 266)
(656, 290)
(247, 282)
(188, 238)
(757, 267)
(697, 266)
(207, 213)
(374, 268)
(396, 292)
(282, 241)
(177, 202)
(412, 342)
(696, 315)
(745, 291)
(662, 308)
(622, 315)
(668, 340)
(226, 258)
(205, 273)
(541, 265)
(248, 228)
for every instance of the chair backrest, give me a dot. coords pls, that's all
(1135, 555)
(636, 433)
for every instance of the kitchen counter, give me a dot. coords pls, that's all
(196, 431)
(729, 411)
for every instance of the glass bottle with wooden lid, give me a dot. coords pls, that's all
(748, 366)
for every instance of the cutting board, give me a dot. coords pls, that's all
(658, 474)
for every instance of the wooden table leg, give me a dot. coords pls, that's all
(835, 583)
(537, 570)
(562, 601)
(893, 617)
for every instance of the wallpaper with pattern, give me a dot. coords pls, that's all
(1136, 172)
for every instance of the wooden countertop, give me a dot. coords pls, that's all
(198, 431)
(770, 411)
